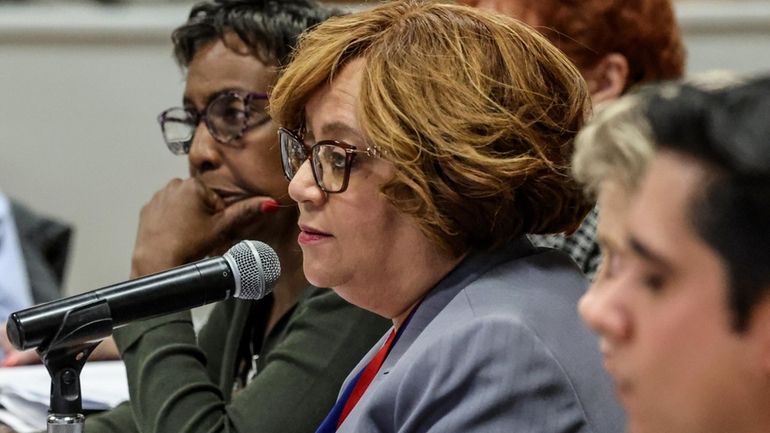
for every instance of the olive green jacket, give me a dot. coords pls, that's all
(177, 385)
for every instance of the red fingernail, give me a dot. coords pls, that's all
(268, 206)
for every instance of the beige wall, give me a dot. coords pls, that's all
(80, 90)
(81, 87)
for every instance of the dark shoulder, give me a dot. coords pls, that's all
(324, 307)
(36, 225)
(317, 299)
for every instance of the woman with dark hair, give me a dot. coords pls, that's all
(273, 365)
(423, 142)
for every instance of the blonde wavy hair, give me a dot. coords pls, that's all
(476, 111)
(616, 146)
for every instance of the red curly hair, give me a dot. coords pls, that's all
(644, 31)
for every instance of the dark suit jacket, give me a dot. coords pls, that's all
(45, 246)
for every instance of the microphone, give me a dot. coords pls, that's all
(249, 270)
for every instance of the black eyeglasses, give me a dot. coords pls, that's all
(330, 160)
(227, 117)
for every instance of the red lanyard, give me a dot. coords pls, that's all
(366, 377)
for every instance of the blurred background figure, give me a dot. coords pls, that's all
(684, 312)
(421, 139)
(33, 255)
(616, 44)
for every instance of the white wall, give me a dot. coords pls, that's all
(732, 35)
(80, 88)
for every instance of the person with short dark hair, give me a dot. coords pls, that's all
(273, 365)
(685, 322)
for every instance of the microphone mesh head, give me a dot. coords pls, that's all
(256, 268)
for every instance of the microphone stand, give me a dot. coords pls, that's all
(64, 356)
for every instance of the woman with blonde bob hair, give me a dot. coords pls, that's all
(423, 141)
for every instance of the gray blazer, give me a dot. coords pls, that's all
(44, 246)
(496, 346)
